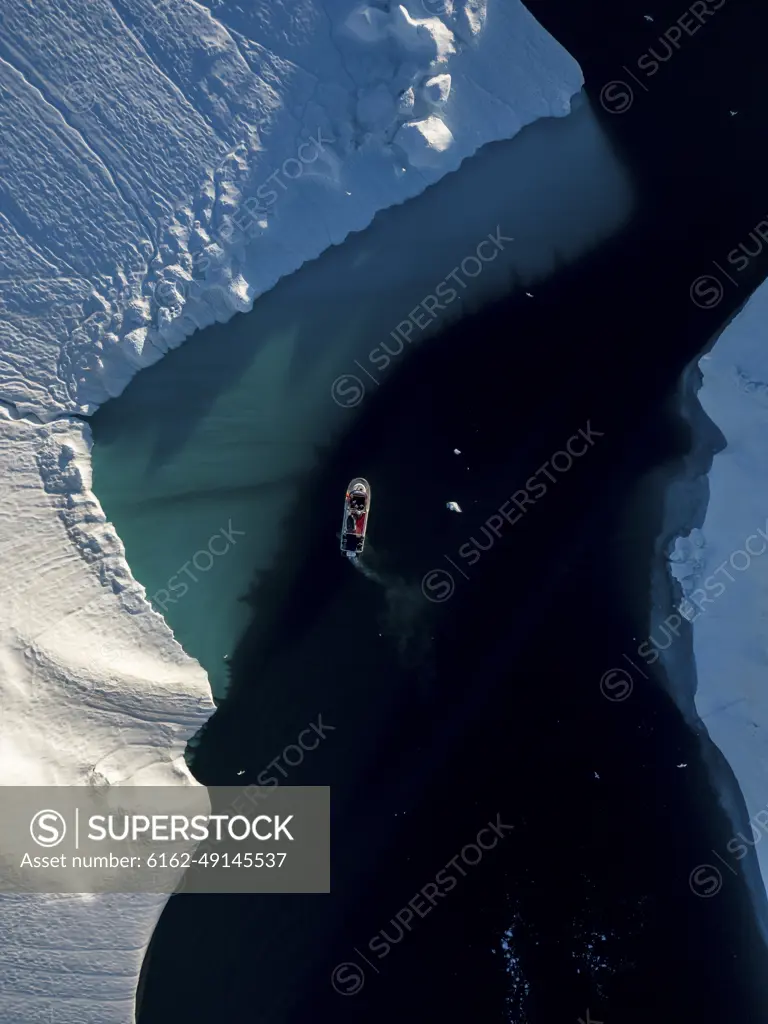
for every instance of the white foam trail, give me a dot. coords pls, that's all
(366, 569)
(406, 611)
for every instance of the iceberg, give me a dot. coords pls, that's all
(716, 511)
(159, 175)
(160, 168)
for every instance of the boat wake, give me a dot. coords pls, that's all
(406, 618)
(366, 569)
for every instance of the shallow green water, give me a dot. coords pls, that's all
(220, 433)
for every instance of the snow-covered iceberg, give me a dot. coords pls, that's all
(163, 168)
(719, 565)
(160, 168)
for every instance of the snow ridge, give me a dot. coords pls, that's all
(266, 162)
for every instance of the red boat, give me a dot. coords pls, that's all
(357, 505)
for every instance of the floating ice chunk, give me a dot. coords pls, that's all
(453, 506)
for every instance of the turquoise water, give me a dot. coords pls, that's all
(199, 462)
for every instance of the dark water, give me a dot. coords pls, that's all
(492, 705)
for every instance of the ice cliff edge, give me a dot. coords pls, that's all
(716, 513)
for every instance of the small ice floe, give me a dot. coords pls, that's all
(456, 451)
(453, 506)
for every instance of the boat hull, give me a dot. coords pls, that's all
(354, 525)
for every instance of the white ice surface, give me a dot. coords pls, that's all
(157, 173)
(93, 687)
(161, 169)
(730, 632)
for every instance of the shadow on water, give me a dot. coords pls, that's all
(256, 402)
(514, 724)
(587, 902)
(521, 184)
